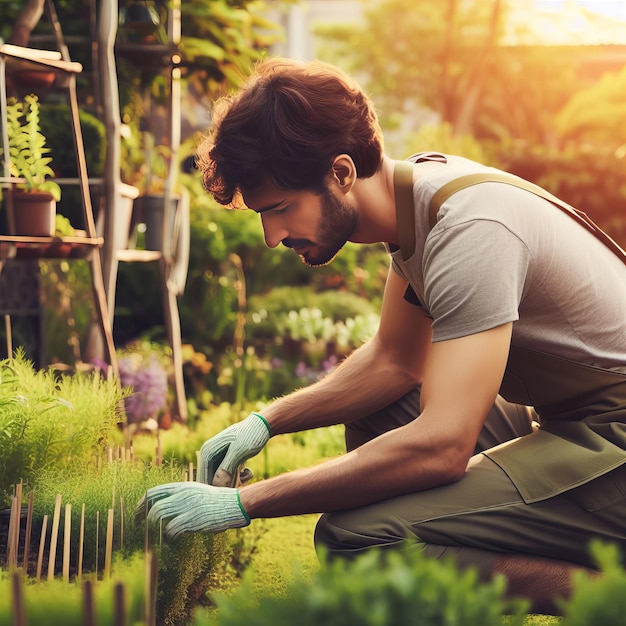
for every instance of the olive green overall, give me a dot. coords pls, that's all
(545, 491)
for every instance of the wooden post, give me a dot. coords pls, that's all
(13, 536)
(109, 546)
(29, 530)
(54, 537)
(42, 545)
(19, 615)
(66, 542)
(151, 588)
(81, 545)
(119, 609)
(89, 606)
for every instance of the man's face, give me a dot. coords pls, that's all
(315, 226)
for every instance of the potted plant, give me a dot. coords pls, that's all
(34, 198)
(147, 168)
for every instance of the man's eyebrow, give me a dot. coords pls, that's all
(270, 207)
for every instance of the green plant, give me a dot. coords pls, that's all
(57, 602)
(185, 567)
(56, 124)
(145, 163)
(599, 599)
(377, 589)
(27, 147)
(52, 421)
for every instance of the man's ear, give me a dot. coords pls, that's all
(344, 172)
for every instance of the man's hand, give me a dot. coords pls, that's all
(222, 456)
(193, 507)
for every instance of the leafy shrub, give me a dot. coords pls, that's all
(400, 587)
(185, 567)
(56, 602)
(52, 421)
(337, 305)
(599, 599)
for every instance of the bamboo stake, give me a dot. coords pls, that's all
(97, 539)
(119, 609)
(54, 537)
(157, 459)
(7, 330)
(18, 521)
(11, 539)
(109, 545)
(89, 606)
(151, 588)
(146, 529)
(81, 544)
(121, 523)
(191, 478)
(110, 454)
(66, 542)
(42, 542)
(29, 530)
(19, 615)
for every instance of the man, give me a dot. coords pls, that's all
(492, 289)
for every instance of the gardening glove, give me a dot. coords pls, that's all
(193, 507)
(222, 456)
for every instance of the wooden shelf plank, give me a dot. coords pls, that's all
(138, 256)
(40, 57)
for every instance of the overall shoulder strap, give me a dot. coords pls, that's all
(405, 211)
(473, 179)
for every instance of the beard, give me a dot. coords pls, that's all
(338, 221)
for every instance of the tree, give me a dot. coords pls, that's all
(454, 62)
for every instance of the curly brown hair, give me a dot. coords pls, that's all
(287, 124)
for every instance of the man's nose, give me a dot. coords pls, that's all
(272, 231)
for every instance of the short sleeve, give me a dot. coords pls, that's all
(474, 275)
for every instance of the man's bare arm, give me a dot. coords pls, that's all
(461, 380)
(375, 375)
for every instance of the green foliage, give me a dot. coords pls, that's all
(57, 127)
(467, 75)
(224, 39)
(101, 487)
(441, 138)
(66, 292)
(185, 567)
(27, 147)
(596, 115)
(599, 599)
(52, 421)
(56, 602)
(190, 565)
(336, 305)
(589, 178)
(395, 588)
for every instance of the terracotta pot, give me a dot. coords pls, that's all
(34, 214)
(34, 78)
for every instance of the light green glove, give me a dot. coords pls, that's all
(222, 456)
(193, 507)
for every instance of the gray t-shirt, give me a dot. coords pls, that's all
(501, 254)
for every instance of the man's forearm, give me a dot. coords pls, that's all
(364, 383)
(404, 460)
